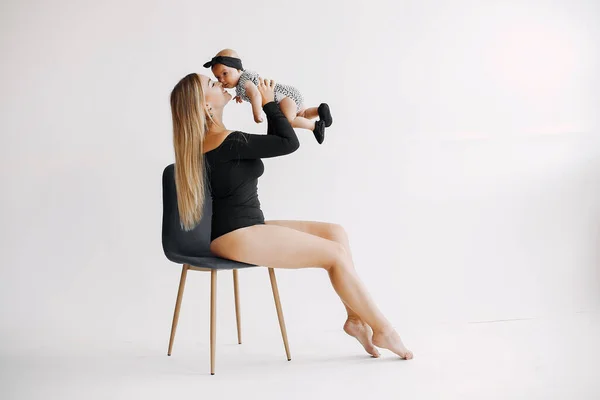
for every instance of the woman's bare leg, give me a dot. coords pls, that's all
(282, 247)
(354, 326)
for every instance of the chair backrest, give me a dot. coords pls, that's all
(174, 239)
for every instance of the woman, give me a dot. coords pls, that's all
(207, 153)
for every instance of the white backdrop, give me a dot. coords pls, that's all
(464, 161)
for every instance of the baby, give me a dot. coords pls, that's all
(227, 68)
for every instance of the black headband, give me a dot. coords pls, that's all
(228, 61)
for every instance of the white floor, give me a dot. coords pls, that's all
(546, 358)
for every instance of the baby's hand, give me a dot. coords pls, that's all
(238, 99)
(258, 119)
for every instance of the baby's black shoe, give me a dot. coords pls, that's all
(325, 114)
(319, 131)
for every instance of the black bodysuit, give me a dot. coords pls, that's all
(233, 169)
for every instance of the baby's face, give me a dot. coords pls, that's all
(228, 76)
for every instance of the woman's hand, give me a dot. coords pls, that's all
(266, 87)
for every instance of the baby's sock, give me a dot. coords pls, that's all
(325, 114)
(319, 131)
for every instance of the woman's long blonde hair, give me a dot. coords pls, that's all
(189, 129)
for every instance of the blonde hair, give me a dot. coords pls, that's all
(189, 129)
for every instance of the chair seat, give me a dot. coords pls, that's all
(207, 261)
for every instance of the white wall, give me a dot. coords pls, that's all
(464, 160)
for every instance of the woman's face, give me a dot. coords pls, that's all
(214, 94)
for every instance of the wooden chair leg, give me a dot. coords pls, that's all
(213, 318)
(279, 312)
(177, 307)
(237, 305)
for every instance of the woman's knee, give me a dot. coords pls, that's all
(338, 257)
(337, 233)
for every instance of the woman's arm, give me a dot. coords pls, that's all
(280, 140)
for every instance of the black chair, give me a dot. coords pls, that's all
(192, 249)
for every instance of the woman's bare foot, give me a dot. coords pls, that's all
(362, 332)
(389, 339)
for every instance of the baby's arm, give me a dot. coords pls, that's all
(255, 99)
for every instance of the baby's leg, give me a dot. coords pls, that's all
(289, 109)
(310, 113)
(322, 112)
